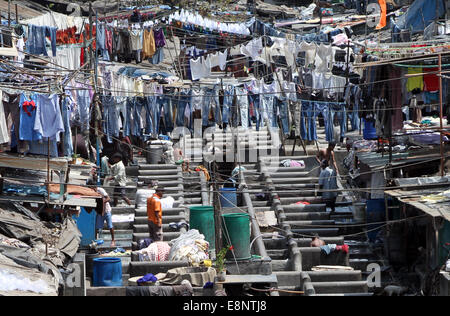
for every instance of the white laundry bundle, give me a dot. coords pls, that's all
(190, 246)
(13, 282)
(156, 252)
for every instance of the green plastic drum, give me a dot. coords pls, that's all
(237, 227)
(202, 219)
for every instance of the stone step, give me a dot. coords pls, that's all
(289, 174)
(143, 268)
(143, 220)
(144, 229)
(288, 278)
(334, 276)
(157, 167)
(123, 209)
(307, 216)
(158, 172)
(304, 208)
(142, 212)
(322, 232)
(166, 236)
(307, 180)
(340, 287)
(299, 198)
(310, 224)
(278, 254)
(306, 242)
(159, 178)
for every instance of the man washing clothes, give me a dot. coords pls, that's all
(328, 155)
(154, 214)
(328, 183)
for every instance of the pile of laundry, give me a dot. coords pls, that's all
(328, 249)
(155, 252)
(437, 198)
(293, 163)
(33, 254)
(190, 246)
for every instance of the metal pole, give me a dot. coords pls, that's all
(441, 114)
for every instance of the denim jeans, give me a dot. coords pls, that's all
(150, 105)
(267, 103)
(165, 105)
(36, 43)
(283, 108)
(307, 121)
(340, 111)
(227, 103)
(211, 99)
(243, 105)
(121, 105)
(138, 104)
(324, 109)
(158, 57)
(83, 115)
(354, 118)
(110, 118)
(185, 98)
(255, 100)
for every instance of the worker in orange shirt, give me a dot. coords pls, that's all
(154, 214)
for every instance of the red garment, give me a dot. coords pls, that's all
(431, 81)
(28, 104)
(303, 203)
(343, 248)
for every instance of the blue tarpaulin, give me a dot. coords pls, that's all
(421, 14)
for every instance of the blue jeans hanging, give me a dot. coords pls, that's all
(307, 121)
(324, 109)
(110, 118)
(166, 105)
(284, 115)
(227, 103)
(255, 100)
(339, 110)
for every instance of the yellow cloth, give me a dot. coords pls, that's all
(415, 82)
(149, 47)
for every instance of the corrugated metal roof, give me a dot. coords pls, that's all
(414, 198)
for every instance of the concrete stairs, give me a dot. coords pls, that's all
(298, 223)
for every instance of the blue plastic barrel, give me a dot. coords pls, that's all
(376, 213)
(107, 272)
(228, 197)
(369, 132)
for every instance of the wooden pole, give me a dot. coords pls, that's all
(17, 15)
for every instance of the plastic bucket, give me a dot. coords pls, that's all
(107, 272)
(369, 132)
(202, 219)
(154, 154)
(236, 229)
(376, 213)
(228, 197)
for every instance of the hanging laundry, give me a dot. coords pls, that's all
(28, 110)
(415, 82)
(48, 116)
(4, 132)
